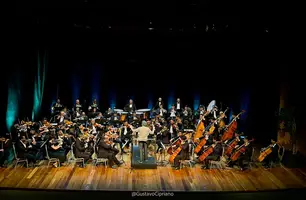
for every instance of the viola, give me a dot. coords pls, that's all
(231, 128)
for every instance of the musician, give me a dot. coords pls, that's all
(115, 119)
(130, 107)
(237, 137)
(134, 119)
(143, 133)
(25, 150)
(126, 136)
(184, 153)
(172, 112)
(66, 140)
(244, 157)
(93, 105)
(106, 150)
(272, 157)
(217, 153)
(5, 150)
(187, 112)
(93, 113)
(159, 103)
(178, 105)
(161, 111)
(200, 111)
(80, 148)
(94, 127)
(77, 107)
(57, 107)
(108, 113)
(61, 118)
(56, 150)
(173, 129)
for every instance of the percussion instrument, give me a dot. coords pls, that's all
(118, 110)
(146, 113)
(143, 110)
(211, 105)
(188, 130)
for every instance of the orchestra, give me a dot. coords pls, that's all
(205, 134)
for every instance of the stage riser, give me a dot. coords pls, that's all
(150, 164)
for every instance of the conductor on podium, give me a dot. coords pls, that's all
(143, 133)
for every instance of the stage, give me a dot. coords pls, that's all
(160, 179)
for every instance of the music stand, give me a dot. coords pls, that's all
(162, 157)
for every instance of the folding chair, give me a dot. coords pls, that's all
(51, 160)
(19, 160)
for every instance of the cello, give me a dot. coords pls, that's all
(176, 143)
(176, 152)
(265, 152)
(231, 128)
(240, 151)
(231, 146)
(207, 152)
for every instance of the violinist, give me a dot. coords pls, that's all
(273, 156)
(126, 136)
(94, 127)
(173, 129)
(106, 150)
(26, 150)
(183, 154)
(66, 140)
(55, 149)
(80, 148)
(244, 155)
(61, 118)
(217, 153)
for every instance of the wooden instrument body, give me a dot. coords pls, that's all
(199, 131)
(221, 124)
(200, 145)
(177, 144)
(174, 154)
(231, 147)
(211, 129)
(229, 133)
(206, 153)
(264, 154)
(238, 152)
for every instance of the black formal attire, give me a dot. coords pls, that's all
(179, 107)
(172, 130)
(183, 155)
(107, 151)
(157, 105)
(215, 155)
(80, 150)
(126, 135)
(77, 108)
(56, 153)
(130, 108)
(24, 152)
(62, 119)
(244, 157)
(5, 154)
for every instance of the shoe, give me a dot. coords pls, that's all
(114, 166)
(176, 168)
(204, 167)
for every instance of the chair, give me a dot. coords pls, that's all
(74, 159)
(220, 164)
(19, 160)
(281, 153)
(51, 160)
(188, 162)
(99, 160)
(252, 159)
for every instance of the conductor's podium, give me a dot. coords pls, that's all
(135, 158)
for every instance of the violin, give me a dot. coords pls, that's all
(231, 128)
(240, 151)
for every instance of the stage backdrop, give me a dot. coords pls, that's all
(114, 73)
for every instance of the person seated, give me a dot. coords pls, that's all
(215, 155)
(26, 150)
(56, 150)
(81, 148)
(184, 153)
(105, 150)
(272, 157)
(6, 151)
(244, 157)
(126, 136)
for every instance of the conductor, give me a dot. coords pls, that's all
(143, 133)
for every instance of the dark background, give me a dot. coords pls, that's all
(107, 46)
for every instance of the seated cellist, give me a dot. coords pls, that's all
(217, 153)
(184, 153)
(273, 156)
(244, 156)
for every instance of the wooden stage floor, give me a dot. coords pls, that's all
(160, 179)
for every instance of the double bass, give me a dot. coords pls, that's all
(220, 121)
(231, 128)
(200, 128)
(203, 140)
(240, 151)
